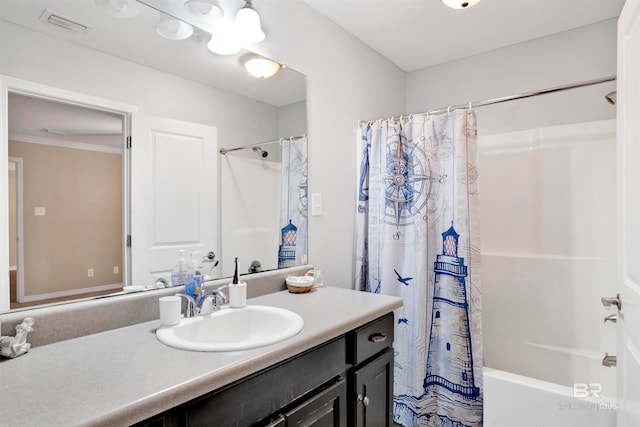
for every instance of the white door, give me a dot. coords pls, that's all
(628, 352)
(173, 194)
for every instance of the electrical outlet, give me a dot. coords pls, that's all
(116, 269)
(40, 211)
(90, 272)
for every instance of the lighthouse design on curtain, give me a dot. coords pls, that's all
(450, 358)
(292, 249)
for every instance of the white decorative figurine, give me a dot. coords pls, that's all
(16, 346)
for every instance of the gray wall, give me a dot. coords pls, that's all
(581, 54)
(346, 82)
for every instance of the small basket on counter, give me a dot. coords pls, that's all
(302, 284)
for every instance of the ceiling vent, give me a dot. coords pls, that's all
(64, 22)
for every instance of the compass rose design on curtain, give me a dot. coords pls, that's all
(418, 238)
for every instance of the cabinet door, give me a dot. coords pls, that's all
(372, 393)
(326, 409)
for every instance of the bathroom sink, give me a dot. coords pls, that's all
(231, 329)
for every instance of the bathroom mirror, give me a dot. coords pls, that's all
(277, 106)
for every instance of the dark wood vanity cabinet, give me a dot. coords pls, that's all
(344, 382)
(370, 377)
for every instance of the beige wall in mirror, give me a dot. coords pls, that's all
(72, 213)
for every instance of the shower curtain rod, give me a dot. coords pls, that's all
(515, 97)
(260, 144)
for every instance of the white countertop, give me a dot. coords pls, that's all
(126, 375)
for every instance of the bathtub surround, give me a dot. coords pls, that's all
(418, 238)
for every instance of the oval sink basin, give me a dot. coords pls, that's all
(232, 329)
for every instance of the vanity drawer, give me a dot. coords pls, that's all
(253, 400)
(370, 339)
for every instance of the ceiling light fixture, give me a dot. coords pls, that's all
(223, 45)
(460, 4)
(207, 9)
(119, 8)
(261, 68)
(248, 24)
(174, 29)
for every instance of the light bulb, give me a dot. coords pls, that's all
(460, 4)
(248, 25)
(119, 8)
(261, 68)
(174, 29)
(223, 45)
(208, 9)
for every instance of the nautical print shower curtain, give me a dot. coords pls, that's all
(418, 238)
(293, 210)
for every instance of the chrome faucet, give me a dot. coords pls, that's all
(196, 308)
(191, 305)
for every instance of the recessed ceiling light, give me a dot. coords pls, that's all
(460, 4)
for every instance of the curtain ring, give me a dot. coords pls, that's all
(449, 109)
(429, 113)
(411, 116)
(470, 105)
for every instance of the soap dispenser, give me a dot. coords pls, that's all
(179, 273)
(190, 282)
(198, 279)
(237, 290)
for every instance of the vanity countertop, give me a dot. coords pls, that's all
(123, 376)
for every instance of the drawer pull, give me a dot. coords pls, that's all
(379, 337)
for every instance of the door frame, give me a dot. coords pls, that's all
(28, 88)
(19, 228)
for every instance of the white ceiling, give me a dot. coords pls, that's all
(44, 121)
(415, 34)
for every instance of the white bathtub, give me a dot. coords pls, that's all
(512, 400)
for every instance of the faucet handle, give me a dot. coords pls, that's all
(217, 299)
(191, 305)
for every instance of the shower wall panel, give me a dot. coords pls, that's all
(548, 251)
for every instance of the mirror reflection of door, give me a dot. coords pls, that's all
(15, 219)
(71, 161)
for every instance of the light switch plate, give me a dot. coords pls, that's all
(316, 204)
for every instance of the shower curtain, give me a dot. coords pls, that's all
(293, 210)
(418, 238)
